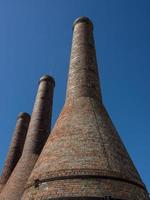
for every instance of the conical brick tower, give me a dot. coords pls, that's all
(84, 157)
(16, 147)
(37, 134)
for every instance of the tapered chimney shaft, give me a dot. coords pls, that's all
(84, 157)
(83, 80)
(37, 134)
(16, 147)
(40, 124)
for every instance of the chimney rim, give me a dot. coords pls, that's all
(83, 19)
(47, 78)
(23, 115)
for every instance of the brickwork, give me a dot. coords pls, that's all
(88, 188)
(83, 79)
(37, 135)
(84, 157)
(16, 147)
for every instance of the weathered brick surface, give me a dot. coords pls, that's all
(90, 142)
(84, 156)
(16, 147)
(37, 135)
(92, 187)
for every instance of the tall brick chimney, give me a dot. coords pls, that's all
(16, 147)
(84, 157)
(37, 134)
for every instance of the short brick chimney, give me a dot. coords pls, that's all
(16, 147)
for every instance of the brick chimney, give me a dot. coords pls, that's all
(84, 157)
(37, 134)
(16, 147)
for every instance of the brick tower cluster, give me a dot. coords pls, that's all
(83, 158)
(37, 134)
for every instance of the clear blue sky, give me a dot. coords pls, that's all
(35, 39)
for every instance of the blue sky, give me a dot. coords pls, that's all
(35, 39)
